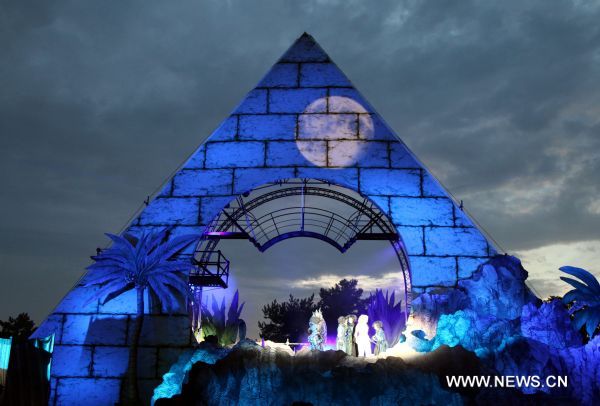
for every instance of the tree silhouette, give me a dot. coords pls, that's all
(19, 328)
(287, 320)
(341, 300)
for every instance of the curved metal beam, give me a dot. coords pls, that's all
(301, 233)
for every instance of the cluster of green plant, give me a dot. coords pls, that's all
(228, 328)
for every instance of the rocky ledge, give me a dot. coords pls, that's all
(252, 375)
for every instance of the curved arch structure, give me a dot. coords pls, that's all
(291, 208)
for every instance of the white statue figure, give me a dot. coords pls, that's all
(340, 342)
(350, 344)
(361, 334)
(317, 330)
(379, 339)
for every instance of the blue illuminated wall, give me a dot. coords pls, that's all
(303, 120)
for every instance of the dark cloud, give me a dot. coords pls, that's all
(101, 101)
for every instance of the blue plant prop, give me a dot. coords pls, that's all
(215, 323)
(585, 298)
(382, 308)
(148, 262)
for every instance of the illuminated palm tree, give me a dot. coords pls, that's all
(147, 262)
(585, 298)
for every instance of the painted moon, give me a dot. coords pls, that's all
(332, 131)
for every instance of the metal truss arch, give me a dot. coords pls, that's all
(293, 208)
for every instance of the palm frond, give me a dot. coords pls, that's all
(585, 299)
(583, 288)
(167, 301)
(147, 261)
(583, 275)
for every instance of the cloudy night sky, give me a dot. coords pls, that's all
(101, 101)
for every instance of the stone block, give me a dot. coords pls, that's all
(71, 361)
(248, 179)
(413, 239)
(99, 329)
(296, 100)
(170, 210)
(372, 127)
(431, 186)
(81, 299)
(167, 189)
(347, 100)
(301, 153)
(125, 303)
(106, 330)
(268, 127)
(327, 126)
(52, 397)
(196, 161)
(110, 362)
(305, 49)
(432, 271)
(376, 155)
(87, 391)
(455, 241)
(254, 103)
(466, 266)
(186, 230)
(411, 211)
(203, 182)
(226, 131)
(281, 75)
(168, 330)
(382, 203)
(400, 157)
(322, 75)
(363, 153)
(75, 329)
(344, 153)
(461, 218)
(52, 325)
(211, 206)
(347, 177)
(235, 154)
(392, 182)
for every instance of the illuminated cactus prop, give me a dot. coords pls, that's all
(226, 330)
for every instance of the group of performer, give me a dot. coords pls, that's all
(352, 335)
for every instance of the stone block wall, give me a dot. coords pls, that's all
(92, 347)
(303, 120)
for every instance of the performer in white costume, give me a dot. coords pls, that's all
(361, 333)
